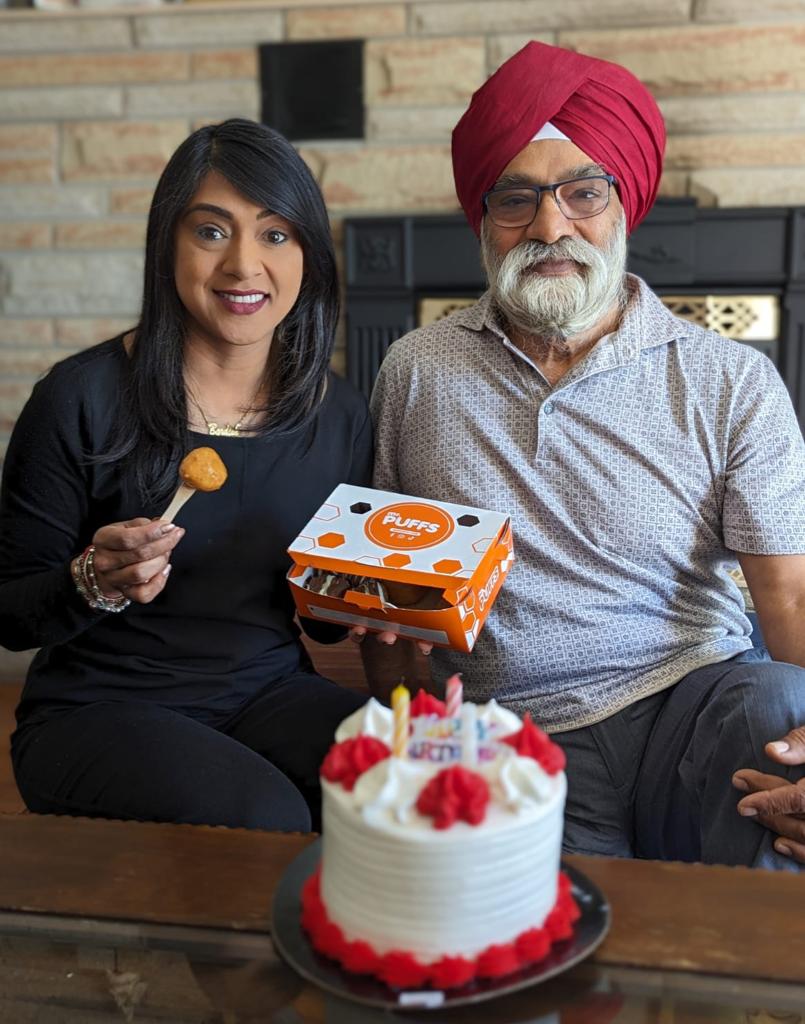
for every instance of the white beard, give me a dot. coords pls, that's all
(559, 307)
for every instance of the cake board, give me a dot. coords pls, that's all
(293, 945)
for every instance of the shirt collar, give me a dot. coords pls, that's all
(481, 315)
(646, 322)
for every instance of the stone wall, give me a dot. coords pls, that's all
(93, 102)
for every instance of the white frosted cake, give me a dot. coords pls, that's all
(440, 863)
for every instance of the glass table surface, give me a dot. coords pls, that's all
(73, 971)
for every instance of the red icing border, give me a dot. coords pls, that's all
(399, 969)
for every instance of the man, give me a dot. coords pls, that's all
(638, 455)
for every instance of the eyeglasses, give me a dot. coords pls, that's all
(577, 198)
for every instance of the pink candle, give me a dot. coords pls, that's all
(455, 695)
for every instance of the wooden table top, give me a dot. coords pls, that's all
(723, 921)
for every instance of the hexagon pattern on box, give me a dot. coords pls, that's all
(412, 535)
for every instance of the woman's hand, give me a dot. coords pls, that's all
(132, 559)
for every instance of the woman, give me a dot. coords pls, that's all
(171, 683)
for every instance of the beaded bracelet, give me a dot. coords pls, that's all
(86, 583)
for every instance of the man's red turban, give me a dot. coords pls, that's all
(601, 107)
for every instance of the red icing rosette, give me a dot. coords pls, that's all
(452, 794)
(533, 945)
(531, 741)
(498, 961)
(401, 969)
(348, 760)
(359, 958)
(426, 704)
(452, 971)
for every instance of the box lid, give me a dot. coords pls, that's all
(362, 531)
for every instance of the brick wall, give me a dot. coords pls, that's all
(92, 104)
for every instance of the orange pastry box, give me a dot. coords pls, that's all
(423, 569)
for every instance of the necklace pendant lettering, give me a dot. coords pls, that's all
(225, 431)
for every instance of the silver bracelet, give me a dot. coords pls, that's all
(86, 583)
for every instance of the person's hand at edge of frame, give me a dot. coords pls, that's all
(775, 802)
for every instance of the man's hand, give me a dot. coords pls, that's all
(778, 804)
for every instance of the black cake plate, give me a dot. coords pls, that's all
(293, 945)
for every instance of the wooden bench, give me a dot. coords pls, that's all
(10, 800)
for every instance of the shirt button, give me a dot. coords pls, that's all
(548, 408)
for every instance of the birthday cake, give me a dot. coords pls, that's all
(441, 844)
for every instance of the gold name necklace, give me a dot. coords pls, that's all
(226, 429)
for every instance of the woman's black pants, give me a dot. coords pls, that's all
(136, 760)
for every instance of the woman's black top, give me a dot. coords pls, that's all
(223, 628)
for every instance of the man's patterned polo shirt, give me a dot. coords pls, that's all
(630, 484)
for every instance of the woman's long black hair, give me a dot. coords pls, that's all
(151, 432)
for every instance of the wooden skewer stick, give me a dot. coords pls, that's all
(184, 493)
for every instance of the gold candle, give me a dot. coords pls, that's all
(400, 706)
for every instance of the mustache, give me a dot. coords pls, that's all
(574, 249)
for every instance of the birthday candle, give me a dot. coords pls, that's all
(455, 694)
(469, 736)
(400, 706)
